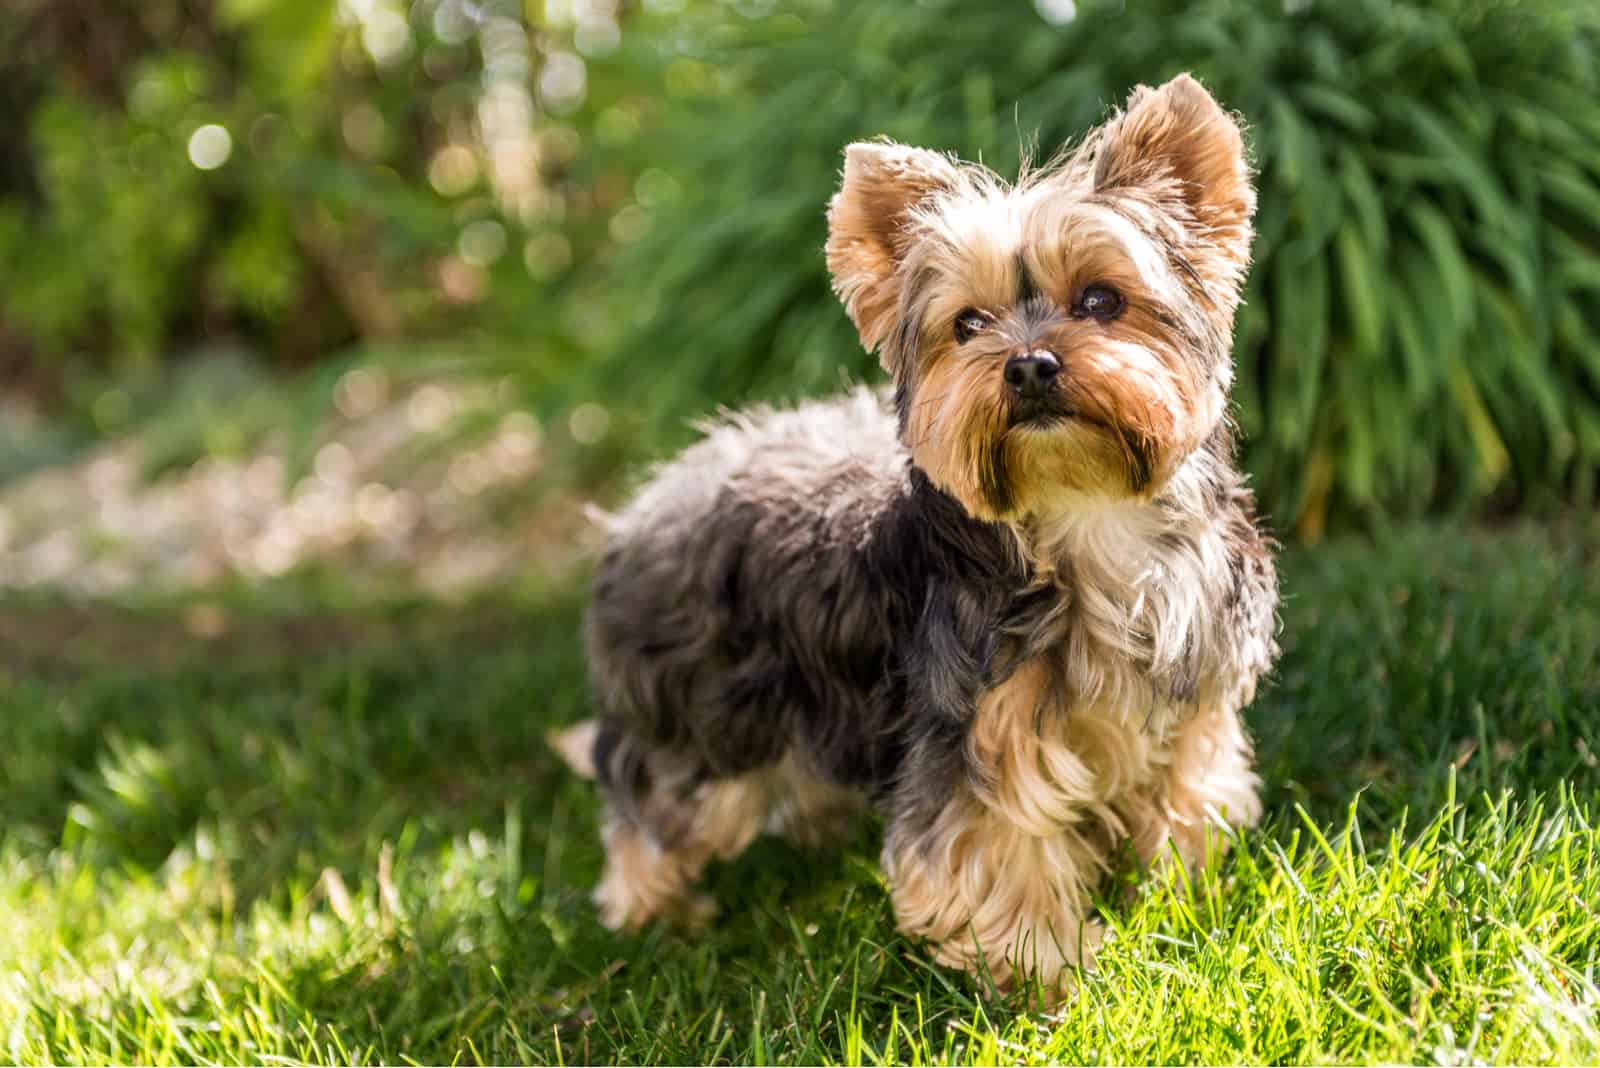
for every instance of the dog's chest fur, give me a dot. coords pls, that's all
(1128, 631)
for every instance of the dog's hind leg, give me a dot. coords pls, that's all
(807, 809)
(665, 820)
(644, 880)
(650, 874)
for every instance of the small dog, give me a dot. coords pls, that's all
(1017, 605)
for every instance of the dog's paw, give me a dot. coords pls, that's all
(621, 911)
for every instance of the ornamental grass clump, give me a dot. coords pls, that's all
(1422, 319)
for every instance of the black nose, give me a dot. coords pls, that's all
(1031, 374)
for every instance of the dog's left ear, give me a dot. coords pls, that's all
(867, 236)
(1177, 141)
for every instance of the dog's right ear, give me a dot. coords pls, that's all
(867, 238)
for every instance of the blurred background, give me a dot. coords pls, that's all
(395, 287)
(322, 323)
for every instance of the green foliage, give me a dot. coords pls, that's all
(107, 236)
(1423, 325)
(139, 241)
(337, 836)
(356, 191)
(1424, 311)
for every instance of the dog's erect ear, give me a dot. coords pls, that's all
(1179, 134)
(867, 227)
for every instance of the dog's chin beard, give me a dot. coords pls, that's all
(1063, 458)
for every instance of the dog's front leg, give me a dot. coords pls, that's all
(1209, 788)
(992, 897)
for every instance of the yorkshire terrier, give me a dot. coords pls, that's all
(1016, 605)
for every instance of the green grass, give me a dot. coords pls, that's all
(339, 837)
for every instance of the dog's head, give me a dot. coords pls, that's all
(1066, 335)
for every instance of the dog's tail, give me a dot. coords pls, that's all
(608, 522)
(575, 745)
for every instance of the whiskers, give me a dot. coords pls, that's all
(921, 407)
(1136, 458)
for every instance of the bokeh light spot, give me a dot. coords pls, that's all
(547, 255)
(1056, 12)
(482, 242)
(335, 463)
(386, 36)
(563, 82)
(453, 170)
(360, 392)
(588, 423)
(630, 224)
(469, 474)
(655, 187)
(453, 22)
(597, 35)
(430, 408)
(461, 281)
(210, 146)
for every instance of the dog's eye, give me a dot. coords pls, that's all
(1099, 301)
(972, 321)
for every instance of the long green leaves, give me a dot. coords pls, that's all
(1426, 297)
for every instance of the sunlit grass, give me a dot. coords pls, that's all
(339, 837)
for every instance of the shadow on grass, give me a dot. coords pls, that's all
(301, 731)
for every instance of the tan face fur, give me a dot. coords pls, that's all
(1118, 267)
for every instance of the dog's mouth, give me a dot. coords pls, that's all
(1038, 413)
(1050, 413)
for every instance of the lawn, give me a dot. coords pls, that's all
(296, 824)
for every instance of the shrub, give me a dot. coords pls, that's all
(1423, 314)
(291, 173)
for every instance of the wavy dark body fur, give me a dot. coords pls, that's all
(792, 586)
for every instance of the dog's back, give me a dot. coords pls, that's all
(736, 629)
(732, 603)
